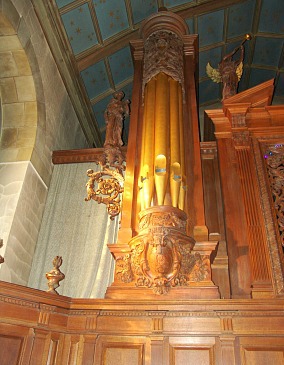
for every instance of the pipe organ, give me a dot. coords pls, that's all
(176, 299)
(162, 257)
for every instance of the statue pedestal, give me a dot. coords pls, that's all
(162, 262)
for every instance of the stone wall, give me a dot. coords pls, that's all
(37, 118)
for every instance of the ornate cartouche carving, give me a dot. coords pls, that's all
(163, 53)
(160, 256)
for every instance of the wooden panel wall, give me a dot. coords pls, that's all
(137, 332)
(214, 216)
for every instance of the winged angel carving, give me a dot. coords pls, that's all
(229, 70)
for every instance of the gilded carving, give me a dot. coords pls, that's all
(55, 275)
(109, 181)
(107, 190)
(163, 53)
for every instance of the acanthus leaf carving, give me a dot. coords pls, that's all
(275, 169)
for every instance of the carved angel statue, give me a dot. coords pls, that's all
(229, 70)
(114, 115)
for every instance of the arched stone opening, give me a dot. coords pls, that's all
(41, 120)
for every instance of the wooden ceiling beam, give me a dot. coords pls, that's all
(206, 7)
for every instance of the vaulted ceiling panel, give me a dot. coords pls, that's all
(112, 17)
(96, 79)
(257, 76)
(172, 3)
(268, 51)
(211, 28)
(141, 9)
(80, 29)
(240, 19)
(121, 65)
(272, 17)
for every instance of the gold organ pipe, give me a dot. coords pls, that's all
(147, 163)
(182, 157)
(175, 169)
(161, 136)
(141, 179)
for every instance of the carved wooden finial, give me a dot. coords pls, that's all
(55, 275)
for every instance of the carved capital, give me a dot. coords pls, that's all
(238, 120)
(241, 139)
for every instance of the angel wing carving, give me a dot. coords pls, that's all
(213, 73)
(239, 71)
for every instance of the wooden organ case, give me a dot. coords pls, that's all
(199, 258)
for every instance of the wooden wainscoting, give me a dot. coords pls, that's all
(38, 328)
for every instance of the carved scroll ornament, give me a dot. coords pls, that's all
(105, 190)
(105, 186)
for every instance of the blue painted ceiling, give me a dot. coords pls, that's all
(96, 34)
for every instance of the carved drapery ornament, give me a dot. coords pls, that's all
(163, 53)
(275, 168)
